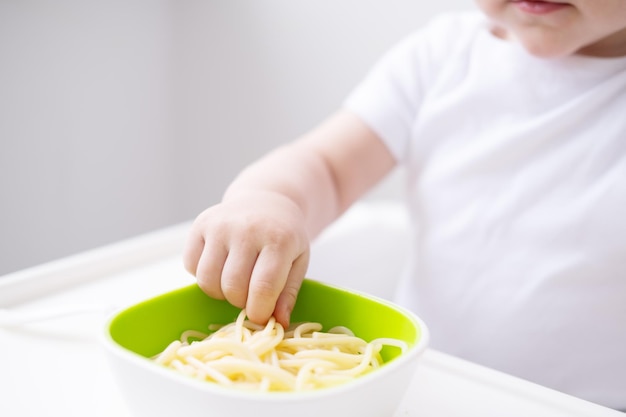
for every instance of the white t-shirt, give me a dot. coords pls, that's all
(516, 171)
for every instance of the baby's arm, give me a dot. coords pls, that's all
(253, 248)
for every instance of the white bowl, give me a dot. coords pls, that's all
(136, 334)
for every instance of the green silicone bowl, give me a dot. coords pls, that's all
(134, 335)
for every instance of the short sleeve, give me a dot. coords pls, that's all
(389, 98)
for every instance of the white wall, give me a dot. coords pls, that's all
(85, 125)
(120, 117)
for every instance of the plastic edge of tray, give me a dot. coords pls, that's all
(518, 387)
(33, 282)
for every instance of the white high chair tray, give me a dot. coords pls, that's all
(57, 367)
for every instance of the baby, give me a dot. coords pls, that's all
(510, 125)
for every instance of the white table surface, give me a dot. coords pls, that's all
(57, 367)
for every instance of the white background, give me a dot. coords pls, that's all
(120, 117)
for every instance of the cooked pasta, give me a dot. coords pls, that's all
(248, 356)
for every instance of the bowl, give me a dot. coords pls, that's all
(134, 335)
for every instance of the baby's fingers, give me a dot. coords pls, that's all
(193, 251)
(237, 272)
(268, 281)
(209, 269)
(287, 298)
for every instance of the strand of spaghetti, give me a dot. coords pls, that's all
(306, 328)
(233, 367)
(349, 342)
(306, 372)
(343, 360)
(239, 325)
(272, 358)
(297, 363)
(340, 330)
(320, 335)
(169, 353)
(361, 367)
(182, 367)
(224, 346)
(265, 384)
(263, 345)
(209, 371)
(261, 334)
(195, 334)
(386, 341)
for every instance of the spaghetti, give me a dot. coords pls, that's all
(248, 356)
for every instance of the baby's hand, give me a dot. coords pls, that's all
(252, 250)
